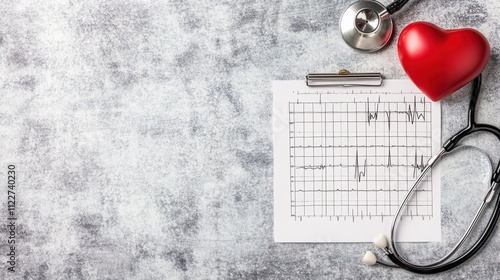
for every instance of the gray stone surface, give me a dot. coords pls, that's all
(141, 132)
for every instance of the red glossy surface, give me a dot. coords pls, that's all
(439, 61)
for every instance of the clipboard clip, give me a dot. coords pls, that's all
(344, 78)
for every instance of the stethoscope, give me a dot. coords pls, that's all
(445, 263)
(367, 26)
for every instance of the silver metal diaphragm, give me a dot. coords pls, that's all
(366, 26)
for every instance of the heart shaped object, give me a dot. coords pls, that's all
(439, 61)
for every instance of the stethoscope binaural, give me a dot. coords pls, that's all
(445, 263)
(367, 26)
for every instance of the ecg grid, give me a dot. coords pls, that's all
(359, 158)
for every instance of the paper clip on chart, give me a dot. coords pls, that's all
(344, 78)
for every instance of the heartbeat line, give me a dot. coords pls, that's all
(357, 173)
(360, 170)
(412, 114)
(344, 155)
(417, 166)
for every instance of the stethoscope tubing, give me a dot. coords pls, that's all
(441, 264)
(431, 269)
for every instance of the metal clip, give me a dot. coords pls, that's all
(344, 78)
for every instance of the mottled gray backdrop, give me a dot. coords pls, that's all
(141, 132)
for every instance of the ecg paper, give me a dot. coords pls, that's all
(344, 158)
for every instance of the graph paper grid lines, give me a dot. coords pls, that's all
(344, 159)
(358, 158)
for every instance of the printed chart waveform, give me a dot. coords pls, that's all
(359, 158)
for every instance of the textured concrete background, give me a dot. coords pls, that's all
(141, 132)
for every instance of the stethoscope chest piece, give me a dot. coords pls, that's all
(366, 26)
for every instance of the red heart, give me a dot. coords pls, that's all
(439, 61)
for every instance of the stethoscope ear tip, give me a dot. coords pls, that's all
(380, 241)
(369, 258)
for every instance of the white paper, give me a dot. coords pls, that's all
(344, 158)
